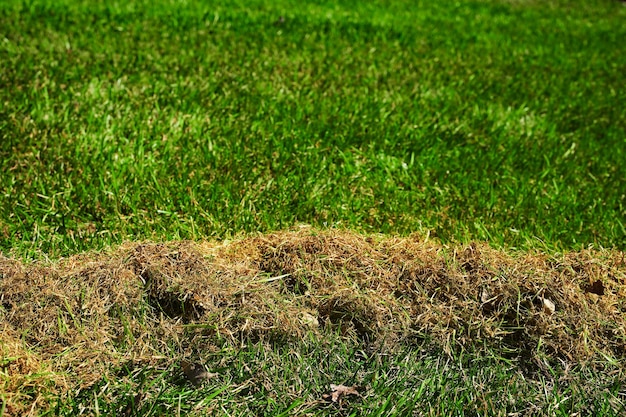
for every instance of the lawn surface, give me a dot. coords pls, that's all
(501, 121)
(491, 120)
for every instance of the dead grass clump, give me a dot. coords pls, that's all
(26, 382)
(148, 303)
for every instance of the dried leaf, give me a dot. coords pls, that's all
(548, 306)
(196, 373)
(309, 320)
(340, 391)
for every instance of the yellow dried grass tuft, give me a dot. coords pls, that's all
(150, 303)
(26, 382)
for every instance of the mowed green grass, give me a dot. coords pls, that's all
(493, 120)
(294, 380)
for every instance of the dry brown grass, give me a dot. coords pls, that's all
(67, 323)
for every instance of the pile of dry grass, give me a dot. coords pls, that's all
(68, 323)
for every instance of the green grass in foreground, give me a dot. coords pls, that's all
(292, 380)
(167, 119)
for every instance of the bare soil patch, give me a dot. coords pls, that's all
(67, 323)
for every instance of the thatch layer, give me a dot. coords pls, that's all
(68, 323)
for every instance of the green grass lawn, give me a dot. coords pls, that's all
(285, 381)
(494, 120)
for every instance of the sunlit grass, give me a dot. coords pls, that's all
(491, 120)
